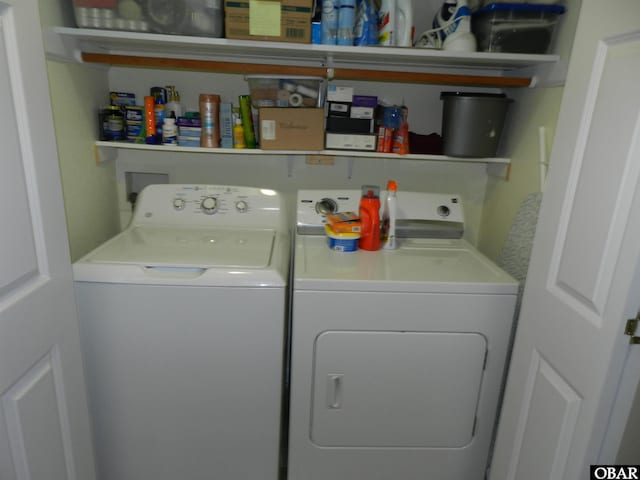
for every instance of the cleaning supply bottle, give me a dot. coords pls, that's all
(346, 22)
(238, 133)
(389, 214)
(330, 10)
(150, 120)
(173, 106)
(209, 104)
(387, 22)
(404, 24)
(169, 131)
(370, 218)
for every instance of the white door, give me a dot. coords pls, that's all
(44, 424)
(584, 278)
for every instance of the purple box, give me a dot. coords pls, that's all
(188, 122)
(364, 101)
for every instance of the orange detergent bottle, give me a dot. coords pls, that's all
(370, 218)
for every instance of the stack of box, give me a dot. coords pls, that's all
(350, 120)
(189, 130)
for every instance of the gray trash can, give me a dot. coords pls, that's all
(472, 123)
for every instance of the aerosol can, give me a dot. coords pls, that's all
(451, 28)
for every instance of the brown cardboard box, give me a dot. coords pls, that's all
(272, 21)
(292, 128)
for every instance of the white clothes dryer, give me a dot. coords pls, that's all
(182, 320)
(397, 356)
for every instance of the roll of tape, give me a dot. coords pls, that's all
(295, 100)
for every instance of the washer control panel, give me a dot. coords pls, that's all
(210, 205)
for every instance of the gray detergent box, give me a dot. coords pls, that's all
(472, 123)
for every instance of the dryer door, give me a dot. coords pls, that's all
(396, 389)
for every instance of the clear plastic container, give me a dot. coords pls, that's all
(283, 91)
(515, 27)
(179, 17)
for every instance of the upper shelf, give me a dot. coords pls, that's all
(339, 62)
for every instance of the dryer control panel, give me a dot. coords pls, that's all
(440, 210)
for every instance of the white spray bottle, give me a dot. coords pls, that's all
(404, 23)
(395, 23)
(389, 214)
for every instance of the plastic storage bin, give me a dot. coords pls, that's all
(472, 123)
(177, 17)
(291, 91)
(515, 27)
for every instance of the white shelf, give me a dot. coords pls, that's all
(108, 150)
(69, 43)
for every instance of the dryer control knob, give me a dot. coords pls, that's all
(209, 205)
(326, 205)
(179, 203)
(241, 206)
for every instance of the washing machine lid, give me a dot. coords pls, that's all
(189, 255)
(418, 265)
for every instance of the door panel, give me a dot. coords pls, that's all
(37, 422)
(548, 425)
(17, 255)
(591, 231)
(44, 423)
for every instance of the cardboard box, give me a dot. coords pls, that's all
(291, 128)
(344, 222)
(271, 21)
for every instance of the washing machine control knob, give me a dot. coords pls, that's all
(241, 206)
(179, 203)
(326, 205)
(209, 205)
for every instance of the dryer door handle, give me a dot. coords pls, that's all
(334, 390)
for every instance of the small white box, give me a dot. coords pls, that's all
(362, 112)
(350, 141)
(339, 94)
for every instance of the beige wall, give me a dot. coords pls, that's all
(533, 108)
(530, 110)
(89, 189)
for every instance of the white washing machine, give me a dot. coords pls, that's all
(182, 318)
(397, 356)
